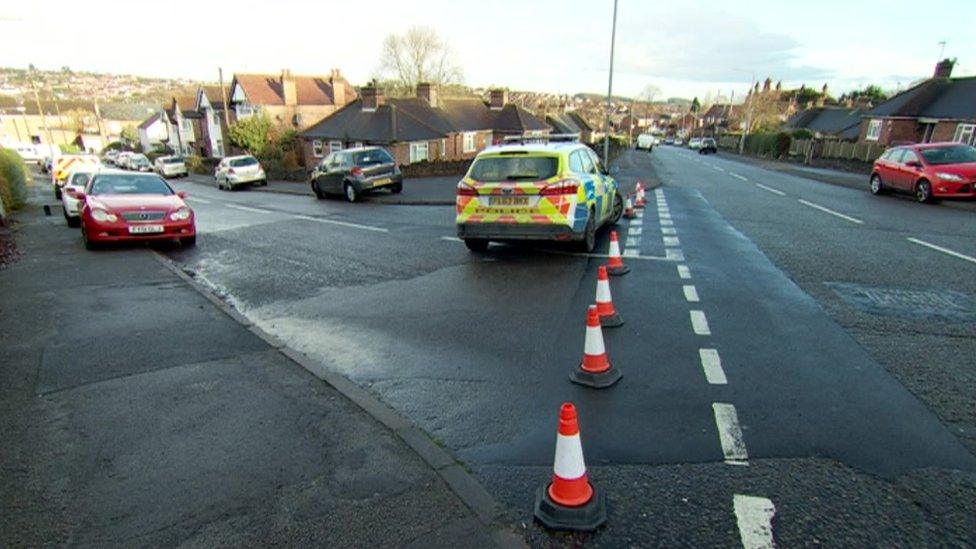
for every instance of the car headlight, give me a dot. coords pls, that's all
(949, 176)
(102, 216)
(181, 214)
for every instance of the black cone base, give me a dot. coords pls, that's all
(584, 518)
(617, 271)
(611, 321)
(601, 380)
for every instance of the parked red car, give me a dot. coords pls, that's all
(122, 206)
(929, 171)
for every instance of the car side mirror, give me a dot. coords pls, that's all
(78, 195)
(181, 194)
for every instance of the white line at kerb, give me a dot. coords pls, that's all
(770, 189)
(754, 516)
(200, 200)
(712, 366)
(730, 434)
(946, 251)
(831, 212)
(699, 323)
(737, 176)
(691, 293)
(342, 223)
(248, 209)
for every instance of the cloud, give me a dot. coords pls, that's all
(709, 46)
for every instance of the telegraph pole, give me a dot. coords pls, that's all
(40, 111)
(606, 118)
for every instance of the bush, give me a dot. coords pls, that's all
(802, 134)
(114, 145)
(70, 148)
(768, 145)
(13, 179)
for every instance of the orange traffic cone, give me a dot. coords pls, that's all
(615, 266)
(595, 370)
(609, 318)
(629, 212)
(641, 202)
(570, 502)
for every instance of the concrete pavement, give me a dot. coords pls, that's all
(134, 412)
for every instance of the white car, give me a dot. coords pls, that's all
(28, 153)
(235, 171)
(694, 143)
(122, 160)
(110, 156)
(646, 141)
(170, 166)
(76, 181)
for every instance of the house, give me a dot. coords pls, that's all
(210, 102)
(153, 132)
(940, 108)
(421, 128)
(571, 123)
(721, 118)
(183, 126)
(842, 123)
(291, 101)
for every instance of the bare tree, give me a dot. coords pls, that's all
(418, 55)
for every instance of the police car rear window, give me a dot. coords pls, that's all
(514, 168)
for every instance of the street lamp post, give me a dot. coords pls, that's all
(606, 118)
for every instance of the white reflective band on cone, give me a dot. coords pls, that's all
(614, 248)
(603, 291)
(569, 457)
(593, 345)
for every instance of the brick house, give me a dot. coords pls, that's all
(291, 101)
(569, 123)
(213, 124)
(421, 128)
(841, 123)
(183, 126)
(940, 108)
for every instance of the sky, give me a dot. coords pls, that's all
(684, 48)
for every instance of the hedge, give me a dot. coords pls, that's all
(768, 145)
(13, 179)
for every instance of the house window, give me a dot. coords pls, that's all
(469, 142)
(443, 148)
(358, 144)
(244, 110)
(317, 148)
(219, 152)
(187, 128)
(874, 130)
(965, 133)
(335, 146)
(419, 151)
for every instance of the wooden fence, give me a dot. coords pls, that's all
(819, 148)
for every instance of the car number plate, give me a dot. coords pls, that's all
(145, 229)
(508, 201)
(379, 182)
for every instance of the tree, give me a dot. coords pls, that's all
(129, 135)
(695, 105)
(252, 133)
(871, 94)
(418, 55)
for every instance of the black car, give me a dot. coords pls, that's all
(708, 146)
(353, 172)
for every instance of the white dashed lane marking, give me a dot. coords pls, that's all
(730, 434)
(946, 251)
(699, 323)
(669, 230)
(451, 239)
(632, 242)
(770, 189)
(248, 209)
(712, 366)
(716, 168)
(342, 223)
(831, 212)
(754, 517)
(691, 293)
(737, 176)
(684, 272)
(636, 222)
(674, 254)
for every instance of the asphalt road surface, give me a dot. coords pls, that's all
(794, 354)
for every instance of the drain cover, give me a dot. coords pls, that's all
(916, 304)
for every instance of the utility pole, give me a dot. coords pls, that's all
(40, 111)
(98, 122)
(606, 118)
(223, 94)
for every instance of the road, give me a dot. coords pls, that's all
(790, 348)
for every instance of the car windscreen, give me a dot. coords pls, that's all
(371, 157)
(128, 184)
(139, 159)
(514, 168)
(79, 180)
(241, 162)
(958, 154)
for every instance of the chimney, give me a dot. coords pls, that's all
(498, 99)
(427, 92)
(372, 98)
(943, 69)
(338, 85)
(288, 91)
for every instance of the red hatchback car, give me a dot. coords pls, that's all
(122, 206)
(929, 171)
